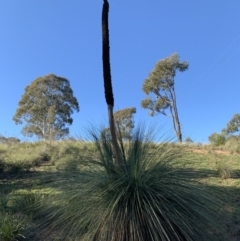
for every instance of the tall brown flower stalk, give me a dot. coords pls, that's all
(108, 81)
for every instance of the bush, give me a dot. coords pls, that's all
(17, 158)
(233, 144)
(188, 140)
(67, 163)
(223, 170)
(16, 167)
(12, 228)
(217, 139)
(40, 158)
(9, 140)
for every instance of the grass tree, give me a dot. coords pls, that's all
(152, 199)
(129, 191)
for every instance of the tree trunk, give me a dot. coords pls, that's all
(107, 80)
(176, 122)
(179, 131)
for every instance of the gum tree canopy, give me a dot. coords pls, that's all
(124, 124)
(160, 83)
(46, 108)
(124, 121)
(233, 125)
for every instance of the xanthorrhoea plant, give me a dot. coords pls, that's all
(150, 200)
(130, 191)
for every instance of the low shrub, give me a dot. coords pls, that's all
(29, 203)
(223, 170)
(12, 228)
(217, 139)
(15, 167)
(4, 200)
(233, 145)
(188, 140)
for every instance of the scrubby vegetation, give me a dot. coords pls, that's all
(70, 190)
(230, 145)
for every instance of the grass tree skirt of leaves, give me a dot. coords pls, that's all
(151, 198)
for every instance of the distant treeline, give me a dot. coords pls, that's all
(4, 139)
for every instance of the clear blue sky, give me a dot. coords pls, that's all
(64, 38)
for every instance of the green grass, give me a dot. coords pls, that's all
(52, 177)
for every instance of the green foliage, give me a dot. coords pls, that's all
(47, 187)
(17, 167)
(20, 157)
(26, 200)
(160, 83)
(12, 228)
(148, 198)
(233, 125)
(223, 170)
(9, 140)
(46, 107)
(233, 144)
(124, 123)
(217, 139)
(233, 138)
(188, 140)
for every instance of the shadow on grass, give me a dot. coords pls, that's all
(235, 174)
(207, 173)
(64, 181)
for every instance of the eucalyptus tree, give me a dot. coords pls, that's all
(124, 124)
(46, 108)
(161, 84)
(233, 125)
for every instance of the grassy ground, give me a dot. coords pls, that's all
(31, 171)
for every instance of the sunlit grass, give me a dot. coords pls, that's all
(60, 194)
